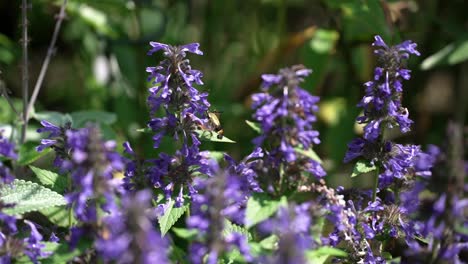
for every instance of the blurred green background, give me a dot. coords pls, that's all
(101, 58)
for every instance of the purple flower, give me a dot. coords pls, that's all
(91, 163)
(382, 101)
(130, 235)
(292, 226)
(184, 106)
(13, 245)
(176, 174)
(286, 114)
(7, 150)
(218, 199)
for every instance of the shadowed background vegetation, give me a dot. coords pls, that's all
(100, 61)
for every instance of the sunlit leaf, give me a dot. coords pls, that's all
(29, 196)
(362, 166)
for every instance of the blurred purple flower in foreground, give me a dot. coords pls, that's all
(7, 150)
(130, 235)
(220, 198)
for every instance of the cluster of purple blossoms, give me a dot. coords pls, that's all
(440, 217)
(13, 245)
(130, 235)
(286, 114)
(383, 109)
(172, 174)
(382, 102)
(292, 225)
(220, 198)
(184, 113)
(183, 105)
(91, 163)
(7, 150)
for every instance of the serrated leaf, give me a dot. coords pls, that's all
(60, 216)
(80, 118)
(27, 154)
(230, 228)
(255, 126)
(362, 166)
(56, 182)
(259, 207)
(170, 217)
(212, 136)
(29, 196)
(320, 255)
(310, 153)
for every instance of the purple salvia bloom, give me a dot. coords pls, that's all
(13, 245)
(218, 199)
(33, 244)
(7, 150)
(185, 107)
(286, 114)
(291, 224)
(176, 174)
(91, 164)
(130, 235)
(382, 102)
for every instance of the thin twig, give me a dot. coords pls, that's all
(45, 64)
(25, 72)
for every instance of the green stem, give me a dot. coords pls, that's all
(376, 184)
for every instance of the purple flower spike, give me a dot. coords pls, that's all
(131, 234)
(184, 106)
(382, 102)
(286, 114)
(224, 196)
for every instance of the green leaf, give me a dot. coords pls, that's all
(94, 17)
(255, 126)
(170, 217)
(49, 178)
(55, 118)
(310, 153)
(451, 54)
(270, 243)
(60, 216)
(217, 155)
(260, 207)
(362, 166)
(212, 136)
(178, 255)
(82, 117)
(460, 53)
(28, 154)
(144, 130)
(29, 196)
(188, 234)
(230, 228)
(324, 41)
(61, 252)
(320, 255)
(361, 18)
